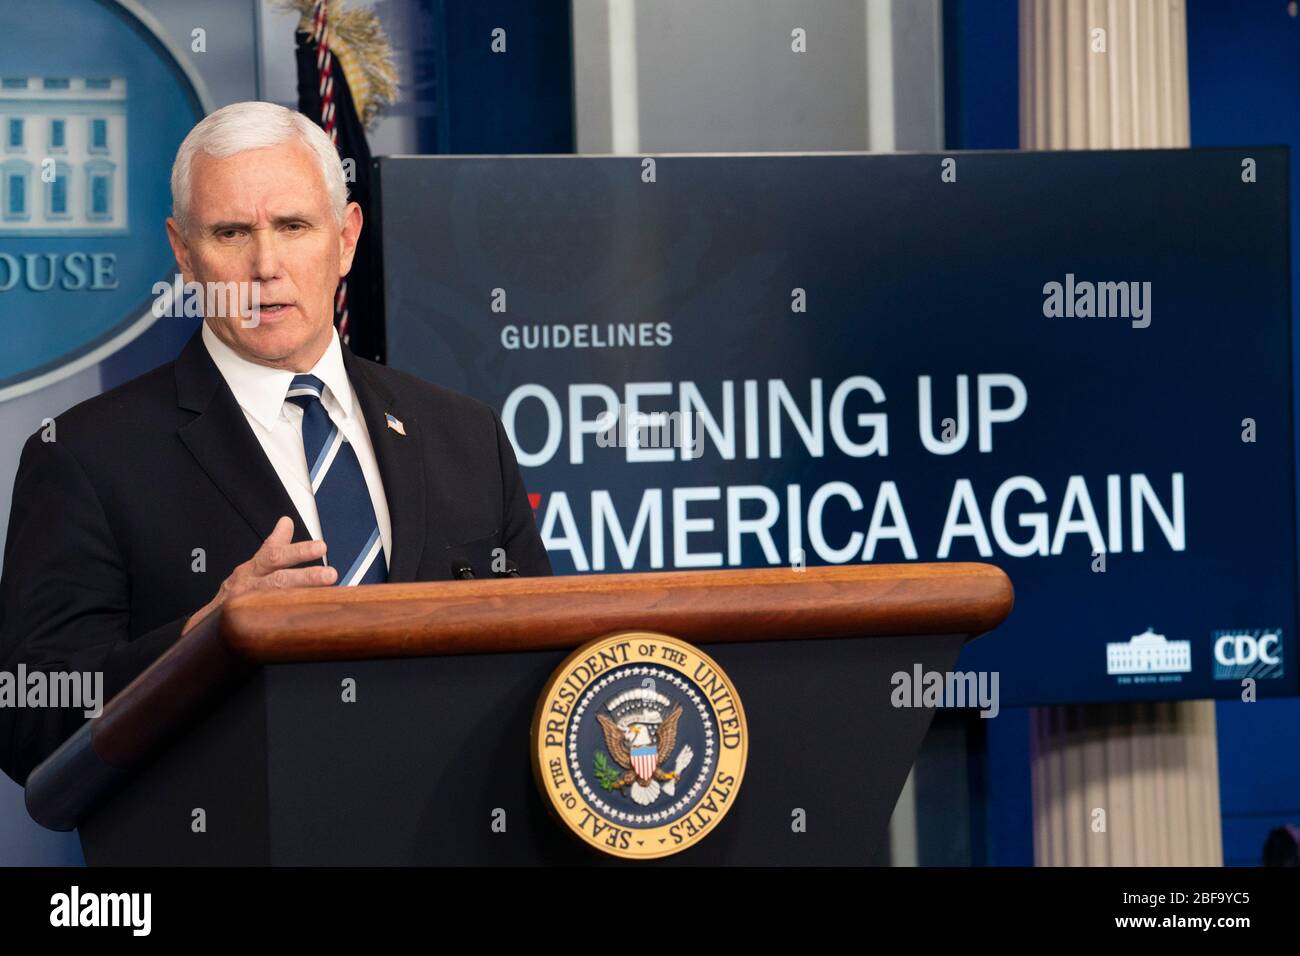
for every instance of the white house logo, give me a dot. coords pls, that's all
(93, 104)
(1248, 653)
(1148, 657)
(75, 128)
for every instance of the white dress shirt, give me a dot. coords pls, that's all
(277, 423)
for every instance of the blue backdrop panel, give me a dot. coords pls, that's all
(1067, 436)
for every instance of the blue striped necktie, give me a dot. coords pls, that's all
(347, 515)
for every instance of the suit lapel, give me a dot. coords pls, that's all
(223, 443)
(400, 465)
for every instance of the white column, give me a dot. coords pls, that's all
(1112, 74)
(625, 117)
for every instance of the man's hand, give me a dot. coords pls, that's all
(271, 567)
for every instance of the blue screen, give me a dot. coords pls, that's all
(1074, 366)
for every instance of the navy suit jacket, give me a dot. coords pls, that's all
(108, 518)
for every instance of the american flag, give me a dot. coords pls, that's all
(324, 95)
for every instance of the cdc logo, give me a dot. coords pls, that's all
(93, 103)
(1248, 653)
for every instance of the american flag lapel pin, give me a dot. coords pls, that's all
(395, 424)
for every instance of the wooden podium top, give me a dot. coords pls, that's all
(528, 614)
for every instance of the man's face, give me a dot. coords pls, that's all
(263, 216)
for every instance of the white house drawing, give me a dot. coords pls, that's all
(1149, 653)
(62, 155)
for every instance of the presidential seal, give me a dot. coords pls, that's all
(639, 744)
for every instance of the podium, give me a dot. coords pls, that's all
(389, 724)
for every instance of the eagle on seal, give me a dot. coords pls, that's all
(643, 755)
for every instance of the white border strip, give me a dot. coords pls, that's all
(624, 105)
(880, 76)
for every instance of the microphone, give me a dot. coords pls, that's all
(511, 571)
(461, 570)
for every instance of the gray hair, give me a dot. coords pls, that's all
(254, 125)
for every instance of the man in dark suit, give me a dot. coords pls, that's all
(266, 455)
